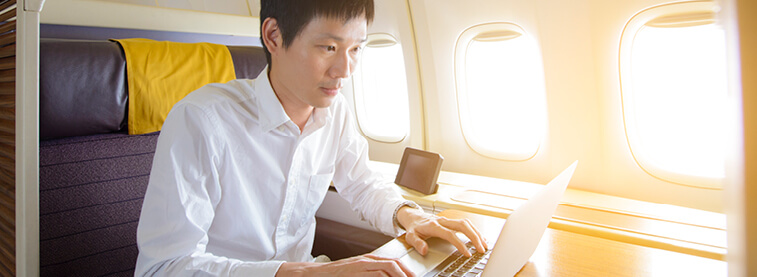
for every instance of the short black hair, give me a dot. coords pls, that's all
(293, 15)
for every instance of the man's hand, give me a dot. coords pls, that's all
(365, 265)
(420, 226)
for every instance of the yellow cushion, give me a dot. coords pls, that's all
(160, 73)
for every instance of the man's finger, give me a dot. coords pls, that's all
(450, 236)
(389, 267)
(468, 229)
(416, 242)
(373, 274)
(397, 264)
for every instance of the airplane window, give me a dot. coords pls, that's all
(674, 86)
(381, 99)
(500, 90)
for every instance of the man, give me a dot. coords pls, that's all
(240, 168)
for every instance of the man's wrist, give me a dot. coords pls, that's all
(293, 269)
(406, 213)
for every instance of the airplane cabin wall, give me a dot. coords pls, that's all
(579, 43)
(440, 23)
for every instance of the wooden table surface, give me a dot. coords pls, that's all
(563, 253)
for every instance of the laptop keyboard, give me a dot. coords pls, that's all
(458, 265)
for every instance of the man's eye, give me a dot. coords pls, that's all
(330, 48)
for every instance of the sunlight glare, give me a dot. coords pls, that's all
(679, 94)
(384, 93)
(505, 96)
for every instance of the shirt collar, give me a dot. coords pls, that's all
(272, 114)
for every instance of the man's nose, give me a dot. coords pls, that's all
(342, 66)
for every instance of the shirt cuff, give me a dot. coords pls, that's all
(264, 268)
(407, 203)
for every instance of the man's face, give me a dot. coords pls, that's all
(318, 62)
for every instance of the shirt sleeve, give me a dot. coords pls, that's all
(372, 196)
(179, 205)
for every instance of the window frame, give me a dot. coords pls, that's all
(358, 91)
(630, 30)
(460, 75)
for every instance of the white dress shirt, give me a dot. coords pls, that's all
(234, 185)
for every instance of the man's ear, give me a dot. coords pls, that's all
(271, 35)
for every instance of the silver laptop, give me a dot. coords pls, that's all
(513, 247)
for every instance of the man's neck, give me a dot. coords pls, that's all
(300, 117)
(297, 111)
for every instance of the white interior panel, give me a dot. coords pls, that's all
(136, 16)
(236, 7)
(135, 2)
(254, 6)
